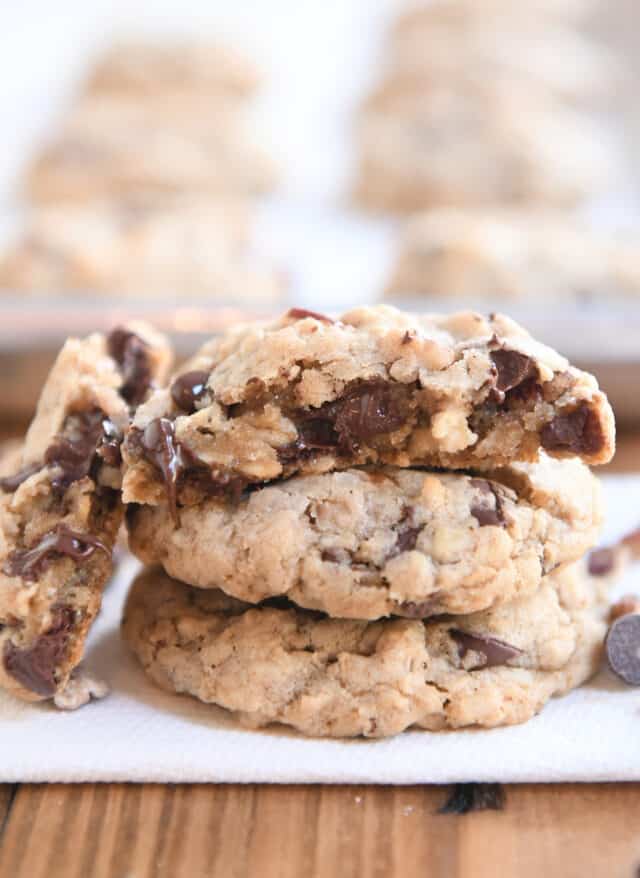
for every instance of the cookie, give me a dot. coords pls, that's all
(116, 148)
(477, 143)
(340, 678)
(141, 247)
(549, 255)
(176, 67)
(441, 47)
(363, 544)
(60, 511)
(491, 12)
(307, 394)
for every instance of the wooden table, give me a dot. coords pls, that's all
(153, 831)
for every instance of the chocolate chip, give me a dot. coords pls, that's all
(109, 447)
(132, 355)
(579, 432)
(302, 313)
(623, 648)
(513, 368)
(491, 511)
(31, 563)
(370, 409)
(35, 667)
(9, 484)
(330, 556)
(466, 797)
(495, 652)
(188, 389)
(602, 561)
(72, 452)
(407, 539)
(418, 609)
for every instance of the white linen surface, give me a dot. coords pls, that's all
(140, 733)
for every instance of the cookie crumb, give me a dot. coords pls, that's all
(81, 688)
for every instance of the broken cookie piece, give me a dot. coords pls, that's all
(306, 394)
(60, 509)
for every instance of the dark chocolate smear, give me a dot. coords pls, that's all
(623, 648)
(579, 432)
(188, 389)
(495, 652)
(35, 667)
(131, 354)
(9, 484)
(466, 797)
(72, 452)
(61, 541)
(601, 562)
(301, 313)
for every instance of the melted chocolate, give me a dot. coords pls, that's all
(61, 541)
(131, 354)
(495, 652)
(73, 451)
(35, 667)
(188, 389)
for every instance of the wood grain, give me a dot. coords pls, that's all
(150, 831)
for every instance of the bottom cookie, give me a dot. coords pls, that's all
(276, 663)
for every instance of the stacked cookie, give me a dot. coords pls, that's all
(371, 523)
(145, 190)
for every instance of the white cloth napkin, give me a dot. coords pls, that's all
(140, 733)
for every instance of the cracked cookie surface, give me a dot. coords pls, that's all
(308, 394)
(341, 678)
(60, 505)
(365, 544)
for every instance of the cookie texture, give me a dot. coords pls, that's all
(365, 544)
(341, 678)
(118, 147)
(141, 246)
(477, 143)
(307, 394)
(495, 254)
(60, 509)
(161, 68)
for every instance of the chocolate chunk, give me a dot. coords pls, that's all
(495, 652)
(301, 313)
(491, 512)
(178, 465)
(369, 409)
(407, 539)
(466, 797)
(187, 389)
(31, 563)
(35, 667)
(109, 447)
(513, 368)
(132, 355)
(418, 609)
(330, 556)
(579, 432)
(623, 648)
(602, 561)
(9, 484)
(73, 451)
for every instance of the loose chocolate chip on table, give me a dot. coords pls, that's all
(132, 355)
(31, 563)
(495, 652)
(35, 667)
(513, 368)
(9, 484)
(602, 561)
(623, 648)
(578, 431)
(466, 797)
(301, 313)
(187, 389)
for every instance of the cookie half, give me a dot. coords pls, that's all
(339, 678)
(60, 507)
(307, 394)
(365, 544)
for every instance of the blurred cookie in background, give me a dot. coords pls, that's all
(141, 247)
(546, 255)
(477, 143)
